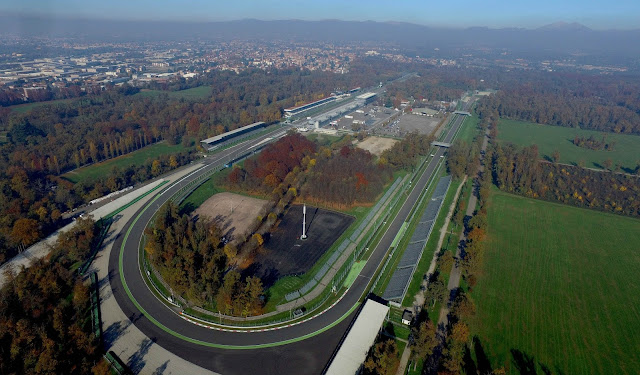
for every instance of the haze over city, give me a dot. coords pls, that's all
(599, 14)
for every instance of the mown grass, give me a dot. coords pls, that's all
(469, 127)
(205, 191)
(137, 157)
(24, 108)
(559, 285)
(550, 138)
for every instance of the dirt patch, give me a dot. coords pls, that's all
(234, 213)
(376, 145)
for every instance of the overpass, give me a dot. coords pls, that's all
(441, 144)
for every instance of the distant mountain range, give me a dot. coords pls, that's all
(558, 38)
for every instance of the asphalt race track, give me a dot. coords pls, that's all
(308, 355)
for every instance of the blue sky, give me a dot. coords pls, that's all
(597, 14)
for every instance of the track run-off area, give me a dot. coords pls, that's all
(302, 346)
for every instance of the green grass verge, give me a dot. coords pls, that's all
(550, 138)
(137, 157)
(353, 273)
(469, 127)
(559, 284)
(203, 192)
(24, 108)
(195, 93)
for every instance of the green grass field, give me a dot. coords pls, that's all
(560, 284)
(24, 108)
(188, 94)
(94, 171)
(470, 128)
(550, 138)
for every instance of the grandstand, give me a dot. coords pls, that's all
(290, 112)
(397, 286)
(219, 140)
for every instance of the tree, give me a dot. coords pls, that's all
(460, 332)
(383, 359)
(446, 261)
(156, 168)
(93, 151)
(173, 163)
(423, 340)
(437, 290)
(230, 251)
(25, 231)
(555, 156)
(607, 164)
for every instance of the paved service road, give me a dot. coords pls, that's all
(202, 346)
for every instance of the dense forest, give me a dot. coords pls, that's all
(404, 154)
(345, 178)
(45, 324)
(604, 103)
(191, 258)
(266, 171)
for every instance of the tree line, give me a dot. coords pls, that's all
(519, 171)
(600, 103)
(592, 143)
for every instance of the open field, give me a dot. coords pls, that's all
(193, 93)
(286, 254)
(550, 138)
(376, 145)
(94, 171)
(470, 128)
(24, 108)
(234, 213)
(559, 288)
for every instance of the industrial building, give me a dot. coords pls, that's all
(219, 140)
(367, 97)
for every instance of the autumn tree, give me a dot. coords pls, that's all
(383, 358)
(423, 340)
(437, 290)
(25, 232)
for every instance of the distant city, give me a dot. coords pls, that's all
(88, 65)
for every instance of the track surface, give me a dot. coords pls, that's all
(306, 356)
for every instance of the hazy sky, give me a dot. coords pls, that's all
(597, 14)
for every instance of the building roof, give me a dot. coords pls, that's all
(366, 95)
(360, 338)
(427, 111)
(231, 133)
